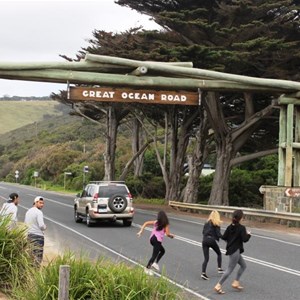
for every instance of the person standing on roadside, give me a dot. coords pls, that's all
(235, 235)
(10, 208)
(211, 234)
(34, 219)
(160, 229)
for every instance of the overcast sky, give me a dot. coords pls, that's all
(40, 30)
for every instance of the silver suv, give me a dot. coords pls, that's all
(104, 200)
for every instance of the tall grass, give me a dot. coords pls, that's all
(100, 280)
(15, 258)
(93, 280)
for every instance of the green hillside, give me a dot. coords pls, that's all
(16, 114)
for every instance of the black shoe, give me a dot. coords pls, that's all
(220, 271)
(204, 276)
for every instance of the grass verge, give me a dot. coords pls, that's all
(93, 280)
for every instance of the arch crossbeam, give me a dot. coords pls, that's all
(102, 70)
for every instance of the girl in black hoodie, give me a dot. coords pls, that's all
(235, 235)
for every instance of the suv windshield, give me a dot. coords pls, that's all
(110, 190)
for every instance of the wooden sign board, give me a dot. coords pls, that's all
(110, 94)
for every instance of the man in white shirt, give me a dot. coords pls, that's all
(10, 208)
(34, 219)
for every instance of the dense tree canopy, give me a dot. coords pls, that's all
(249, 37)
(258, 38)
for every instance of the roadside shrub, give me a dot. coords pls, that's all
(15, 260)
(147, 186)
(96, 281)
(154, 188)
(244, 189)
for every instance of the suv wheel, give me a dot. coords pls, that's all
(117, 203)
(89, 221)
(77, 218)
(127, 222)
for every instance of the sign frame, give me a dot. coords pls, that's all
(144, 96)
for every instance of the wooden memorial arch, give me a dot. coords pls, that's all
(116, 79)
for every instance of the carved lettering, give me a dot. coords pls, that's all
(166, 97)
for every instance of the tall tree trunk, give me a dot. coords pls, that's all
(220, 185)
(179, 141)
(137, 141)
(196, 160)
(111, 142)
(133, 158)
(229, 141)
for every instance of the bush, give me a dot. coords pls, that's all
(15, 260)
(147, 186)
(95, 281)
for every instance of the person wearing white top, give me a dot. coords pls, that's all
(10, 208)
(34, 219)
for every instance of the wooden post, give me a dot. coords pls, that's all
(64, 281)
(289, 145)
(296, 177)
(282, 145)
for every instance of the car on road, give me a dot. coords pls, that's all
(104, 200)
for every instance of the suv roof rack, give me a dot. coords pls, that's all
(106, 181)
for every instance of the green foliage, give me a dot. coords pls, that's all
(245, 182)
(244, 189)
(151, 164)
(205, 185)
(15, 260)
(56, 161)
(96, 280)
(155, 201)
(146, 186)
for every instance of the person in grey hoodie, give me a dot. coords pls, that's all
(235, 235)
(34, 219)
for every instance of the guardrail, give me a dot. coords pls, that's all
(291, 219)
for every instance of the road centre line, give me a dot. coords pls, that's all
(182, 220)
(199, 244)
(255, 235)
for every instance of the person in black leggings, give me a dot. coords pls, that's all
(211, 234)
(160, 229)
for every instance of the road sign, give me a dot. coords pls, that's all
(292, 192)
(110, 94)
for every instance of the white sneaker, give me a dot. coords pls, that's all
(155, 266)
(148, 271)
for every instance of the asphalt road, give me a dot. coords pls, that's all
(273, 266)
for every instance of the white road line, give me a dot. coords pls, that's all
(201, 223)
(248, 258)
(180, 219)
(199, 244)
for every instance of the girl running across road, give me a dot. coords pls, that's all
(160, 229)
(235, 235)
(211, 234)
